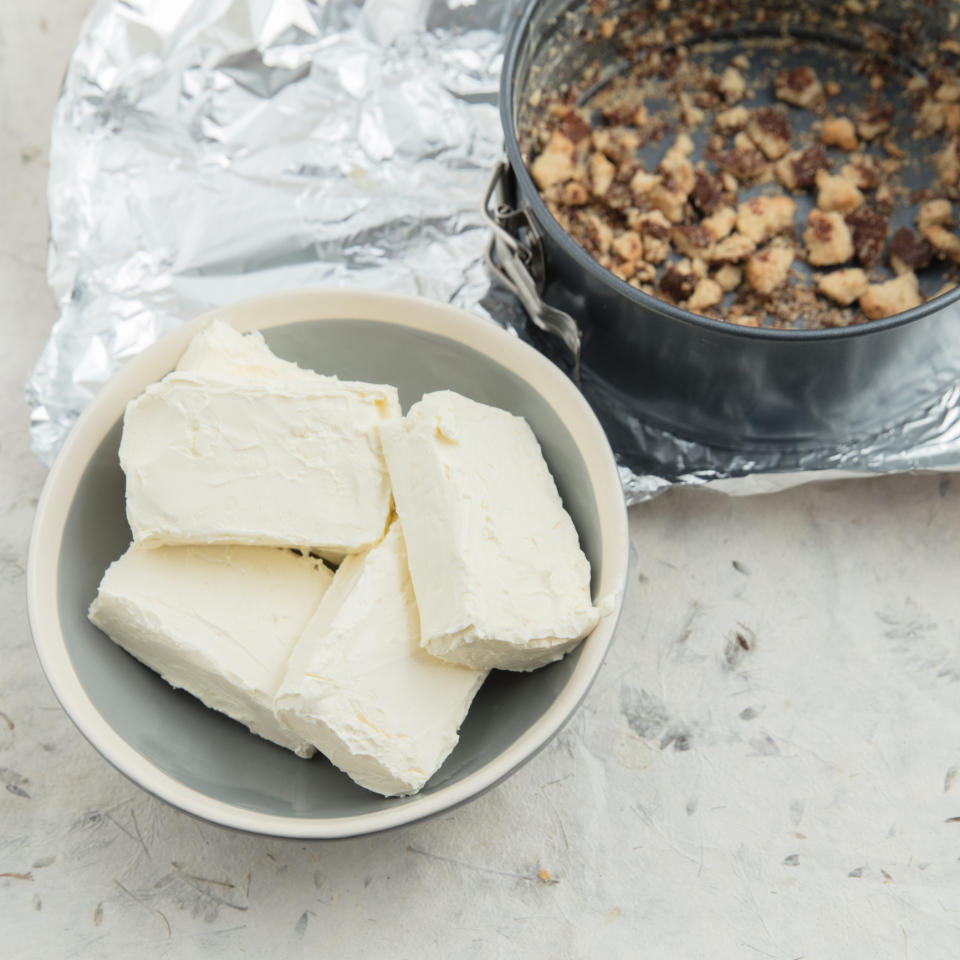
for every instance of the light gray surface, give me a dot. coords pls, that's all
(742, 845)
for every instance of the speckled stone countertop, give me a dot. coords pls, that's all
(767, 765)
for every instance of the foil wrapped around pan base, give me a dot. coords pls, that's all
(206, 152)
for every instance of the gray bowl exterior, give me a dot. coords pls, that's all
(721, 385)
(206, 750)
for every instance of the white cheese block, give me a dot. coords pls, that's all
(496, 564)
(218, 622)
(360, 687)
(219, 350)
(241, 447)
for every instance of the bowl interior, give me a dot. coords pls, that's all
(212, 754)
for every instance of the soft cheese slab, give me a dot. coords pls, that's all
(495, 559)
(360, 687)
(240, 447)
(218, 622)
(220, 350)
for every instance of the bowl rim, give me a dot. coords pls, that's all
(261, 313)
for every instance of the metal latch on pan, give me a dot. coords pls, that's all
(515, 256)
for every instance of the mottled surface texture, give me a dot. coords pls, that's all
(766, 767)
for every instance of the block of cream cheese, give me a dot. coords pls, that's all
(496, 564)
(218, 622)
(219, 350)
(360, 687)
(243, 447)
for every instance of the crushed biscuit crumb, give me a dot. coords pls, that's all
(732, 249)
(600, 172)
(836, 193)
(945, 243)
(643, 182)
(732, 85)
(934, 213)
(691, 114)
(798, 169)
(827, 238)
(947, 162)
(692, 241)
(767, 269)
(601, 233)
(729, 277)
(843, 286)
(874, 122)
(555, 164)
(769, 130)
(655, 230)
(707, 293)
(890, 298)
(732, 120)
(721, 223)
(761, 217)
(799, 86)
(863, 171)
(948, 92)
(628, 245)
(574, 194)
(839, 132)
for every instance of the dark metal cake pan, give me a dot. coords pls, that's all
(706, 380)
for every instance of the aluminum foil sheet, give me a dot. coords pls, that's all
(208, 150)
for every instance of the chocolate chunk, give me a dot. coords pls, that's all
(868, 177)
(806, 165)
(797, 79)
(773, 121)
(692, 241)
(656, 230)
(874, 121)
(618, 196)
(575, 128)
(869, 230)
(912, 249)
(743, 164)
(676, 284)
(707, 193)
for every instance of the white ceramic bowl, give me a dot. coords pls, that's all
(206, 764)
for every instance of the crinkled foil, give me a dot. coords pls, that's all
(208, 150)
